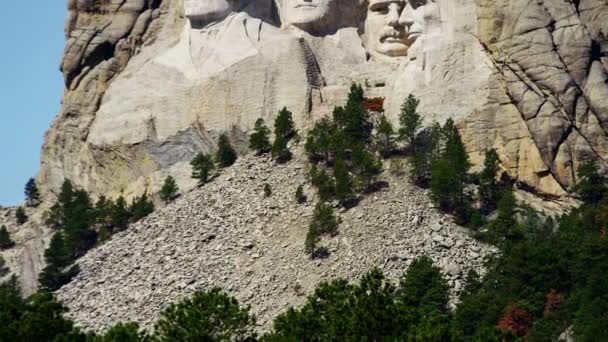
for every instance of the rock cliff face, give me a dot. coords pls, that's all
(150, 83)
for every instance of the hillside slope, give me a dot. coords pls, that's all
(228, 234)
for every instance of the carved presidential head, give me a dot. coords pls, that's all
(393, 26)
(208, 10)
(309, 15)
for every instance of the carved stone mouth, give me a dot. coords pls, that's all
(306, 6)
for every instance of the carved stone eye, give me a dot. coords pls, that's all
(417, 3)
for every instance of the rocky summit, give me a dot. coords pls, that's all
(149, 83)
(228, 234)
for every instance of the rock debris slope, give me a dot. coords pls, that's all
(228, 234)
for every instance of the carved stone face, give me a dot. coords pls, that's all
(207, 10)
(307, 14)
(384, 33)
(417, 16)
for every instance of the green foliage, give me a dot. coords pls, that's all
(21, 216)
(259, 140)
(410, 121)
(205, 316)
(505, 228)
(325, 184)
(169, 190)
(140, 207)
(267, 190)
(371, 310)
(344, 182)
(4, 270)
(280, 152)
(489, 189)
(300, 196)
(591, 187)
(284, 126)
(202, 165)
(225, 155)
(427, 151)
(323, 140)
(354, 119)
(366, 166)
(58, 259)
(424, 287)
(32, 195)
(312, 239)
(325, 219)
(119, 214)
(5, 239)
(122, 332)
(385, 137)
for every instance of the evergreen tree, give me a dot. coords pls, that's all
(259, 140)
(489, 189)
(300, 197)
(141, 207)
(312, 239)
(120, 214)
(423, 286)
(57, 258)
(122, 332)
(32, 195)
(325, 184)
(321, 140)
(384, 136)
(344, 182)
(591, 187)
(426, 152)
(354, 119)
(284, 126)
(225, 155)
(280, 152)
(202, 165)
(5, 239)
(206, 316)
(80, 235)
(21, 216)
(505, 228)
(325, 219)
(3, 269)
(410, 121)
(366, 166)
(169, 190)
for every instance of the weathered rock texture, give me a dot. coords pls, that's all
(228, 234)
(147, 89)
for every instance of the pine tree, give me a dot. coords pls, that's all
(32, 195)
(325, 184)
(225, 155)
(489, 189)
(169, 190)
(141, 207)
(284, 126)
(259, 140)
(325, 219)
(321, 139)
(344, 182)
(410, 121)
(202, 165)
(5, 239)
(300, 197)
(505, 228)
(119, 214)
(280, 152)
(426, 152)
(312, 238)
(21, 216)
(354, 119)
(366, 165)
(3, 269)
(57, 258)
(384, 136)
(591, 186)
(424, 287)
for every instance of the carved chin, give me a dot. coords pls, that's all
(392, 49)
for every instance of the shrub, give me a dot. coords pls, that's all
(5, 239)
(300, 197)
(32, 195)
(206, 316)
(3, 269)
(267, 190)
(259, 140)
(21, 216)
(225, 155)
(169, 190)
(384, 137)
(202, 165)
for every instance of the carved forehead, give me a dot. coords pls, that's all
(378, 2)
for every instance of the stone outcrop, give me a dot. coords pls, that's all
(151, 83)
(228, 234)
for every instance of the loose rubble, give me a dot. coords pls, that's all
(228, 234)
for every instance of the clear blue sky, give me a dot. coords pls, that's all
(31, 34)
